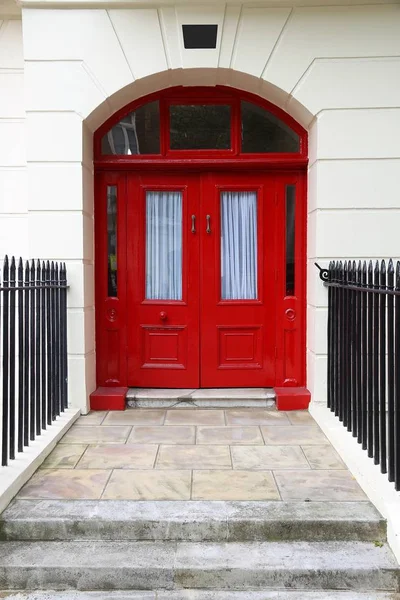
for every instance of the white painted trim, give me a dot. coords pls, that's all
(376, 485)
(14, 476)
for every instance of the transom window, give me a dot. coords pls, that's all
(201, 122)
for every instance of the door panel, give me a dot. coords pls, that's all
(237, 281)
(163, 281)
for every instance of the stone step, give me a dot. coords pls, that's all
(359, 566)
(191, 521)
(202, 595)
(201, 398)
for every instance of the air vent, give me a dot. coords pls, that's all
(199, 36)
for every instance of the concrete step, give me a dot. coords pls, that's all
(359, 566)
(201, 398)
(191, 521)
(202, 595)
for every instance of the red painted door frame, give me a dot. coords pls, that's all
(290, 316)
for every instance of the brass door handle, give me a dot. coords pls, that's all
(193, 223)
(208, 220)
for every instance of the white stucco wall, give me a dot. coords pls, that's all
(335, 69)
(13, 174)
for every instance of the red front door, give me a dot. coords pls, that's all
(200, 280)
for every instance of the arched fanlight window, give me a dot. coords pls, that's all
(136, 133)
(195, 121)
(264, 132)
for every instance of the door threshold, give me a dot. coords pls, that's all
(201, 398)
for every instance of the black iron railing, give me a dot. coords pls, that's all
(33, 334)
(364, 356)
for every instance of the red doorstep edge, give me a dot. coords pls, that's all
(108, 398)
(292, 398)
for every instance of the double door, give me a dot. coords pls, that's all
(200, 280)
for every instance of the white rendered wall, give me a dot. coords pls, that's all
(13, 175)
(335, 69)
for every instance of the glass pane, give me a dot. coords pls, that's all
(164, 245)
(238, 245)
(200, 127)
(290, 238)
(112, 239)
(263, 132)
(137, 133)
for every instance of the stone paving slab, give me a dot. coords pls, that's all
(96, 434)
(242, 416)
(230, 435)
(236, 485)
(63, 483)
(268, 457)
(136, 417)
(318, 486)
(184, 434)
(194, 457)
(119, 456)
(198, 416)
(323, 457)
(64, 456)
(148, 485)
(293, 436)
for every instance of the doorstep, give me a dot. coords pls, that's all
(201, 398)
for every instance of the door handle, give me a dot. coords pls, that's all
(208, 220)
(193, 223)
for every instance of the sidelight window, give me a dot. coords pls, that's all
(290, 239)
(112, 240)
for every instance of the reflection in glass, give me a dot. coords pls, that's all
(136, 133)
(264, 132)
(238, 245)
(290, 238)
(164, 245)
(112, 240)
(200, 127)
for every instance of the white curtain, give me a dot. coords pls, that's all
(239, 245)
(164, 245)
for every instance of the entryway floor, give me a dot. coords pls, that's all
(194, 454)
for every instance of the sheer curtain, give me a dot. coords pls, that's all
(239, 245)
(164, 245)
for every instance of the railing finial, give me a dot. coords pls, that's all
(324, 274)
